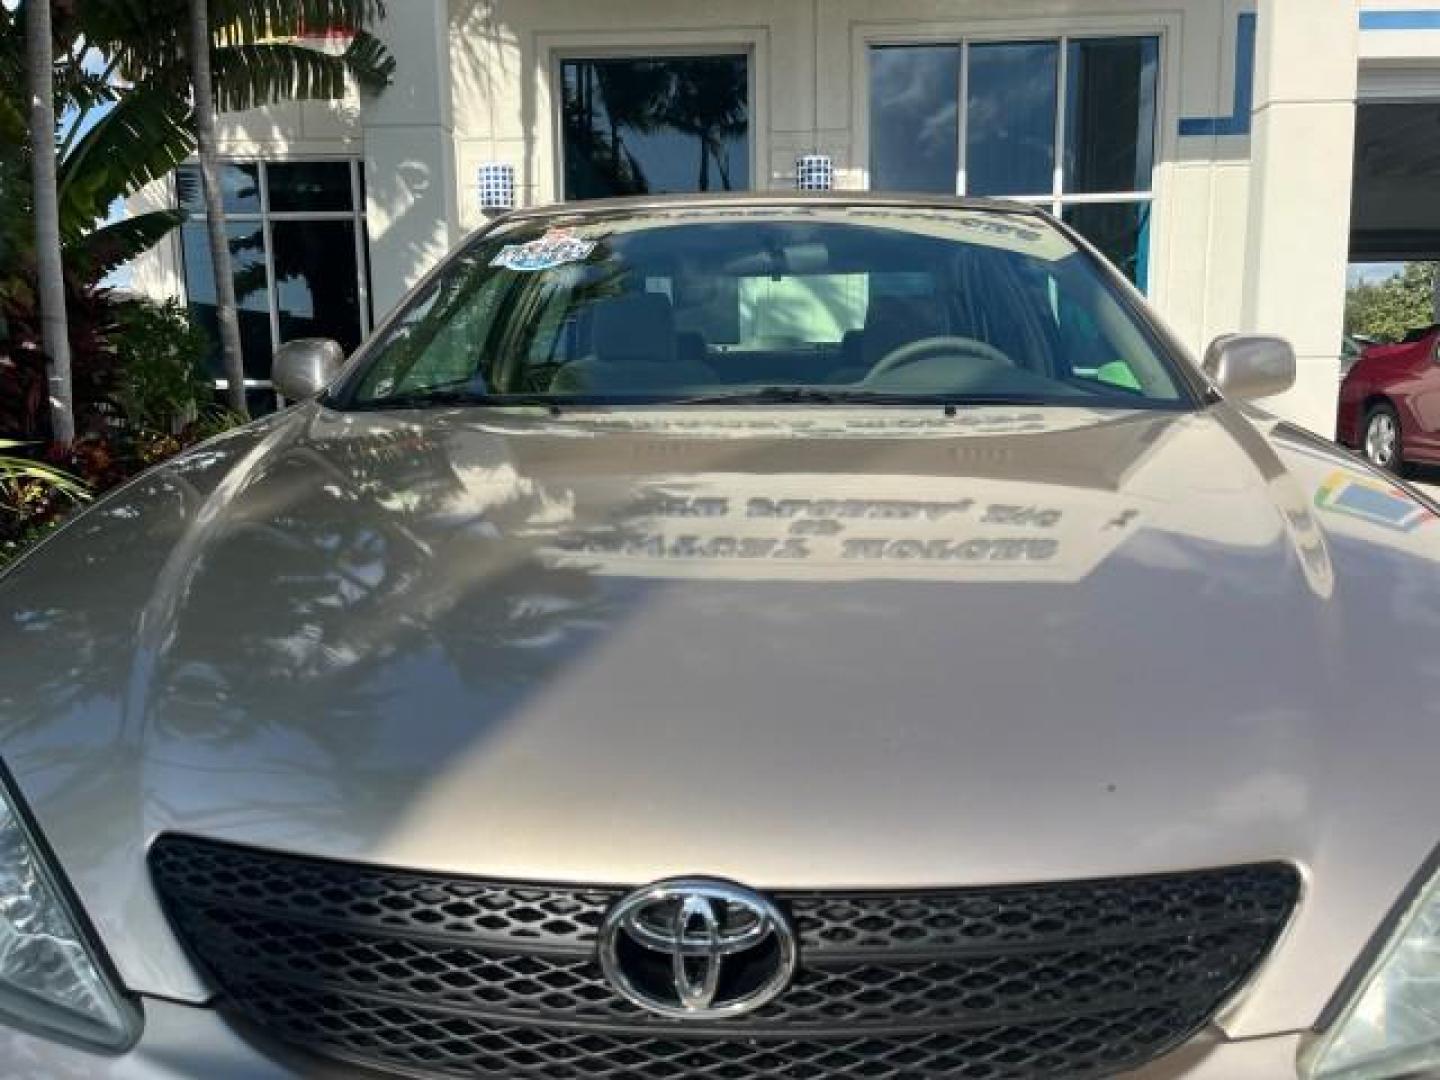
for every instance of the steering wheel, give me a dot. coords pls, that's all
(944, 345)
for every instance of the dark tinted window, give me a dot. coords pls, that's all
(247, 258)
(1110, 122)
(1120, 230)
(316, 281)
(645, 126)
(309, 186)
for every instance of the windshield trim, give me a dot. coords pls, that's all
(559, 405)
(1194, 391)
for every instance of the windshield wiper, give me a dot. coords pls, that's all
(801, 395)
(818, 395)
(456, 394)
(459, 393)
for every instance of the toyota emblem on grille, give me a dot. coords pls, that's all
(697, 948)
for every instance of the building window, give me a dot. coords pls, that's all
(638, 126)
(1067, 123)
(297, 245)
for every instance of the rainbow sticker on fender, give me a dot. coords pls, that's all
(1372, 501)
(556, 248)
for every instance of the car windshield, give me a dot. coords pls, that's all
(771, 304)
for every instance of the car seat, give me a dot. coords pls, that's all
(633, 349)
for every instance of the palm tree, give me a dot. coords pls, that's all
(709, 101)
(150, 125)
(225, 308)
(101, 156)
(230, 55)
(40, 64)
(128, 124)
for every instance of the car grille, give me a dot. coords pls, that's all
(433, 975)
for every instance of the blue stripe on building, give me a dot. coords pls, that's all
(1238, 122)
(1400, 20)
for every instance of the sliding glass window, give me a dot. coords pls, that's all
(1068, 123)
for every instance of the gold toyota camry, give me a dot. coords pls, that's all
(768, 637)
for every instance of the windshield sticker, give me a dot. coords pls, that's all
(558, 247)
(1378, 503)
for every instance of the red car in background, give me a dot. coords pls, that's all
(1390, 402)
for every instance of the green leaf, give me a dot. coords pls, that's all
(144, 34)
(1388, 309)
(13, 129)
(110, 246)
(140, 140)
(247, 76)
(13, 469)
(370, 62)
(251, 22)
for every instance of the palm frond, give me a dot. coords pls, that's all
(113, 245)
(143, 35)
(13, 129)
(13, 469)
(85, 90)
(247, 76)
(370, 62)
(252, 22)
(146, 135)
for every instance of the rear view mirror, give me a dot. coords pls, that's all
(1248, 366)
(303, 367)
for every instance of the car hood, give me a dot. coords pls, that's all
(803, 649)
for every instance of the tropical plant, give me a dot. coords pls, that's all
(24, 383)
(232, 55)
(113, 141)
(213, 421)
(49, 267)
(129, 121)
(227, 315)
(160, 380)
(22, 470)
(97, 163)
(34, 497)
(1386, 310)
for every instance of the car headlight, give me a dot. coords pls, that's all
(52, 975)
(1390, 1027)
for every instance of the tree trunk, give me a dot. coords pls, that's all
(49, 269)
(225, 307)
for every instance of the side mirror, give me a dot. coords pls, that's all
(1246, 366)
(303, 367)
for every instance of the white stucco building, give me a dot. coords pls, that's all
(1209, 146)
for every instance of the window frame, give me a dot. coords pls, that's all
(578, 49)
(1057, 198)
(267, 217)
(1062, 31)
